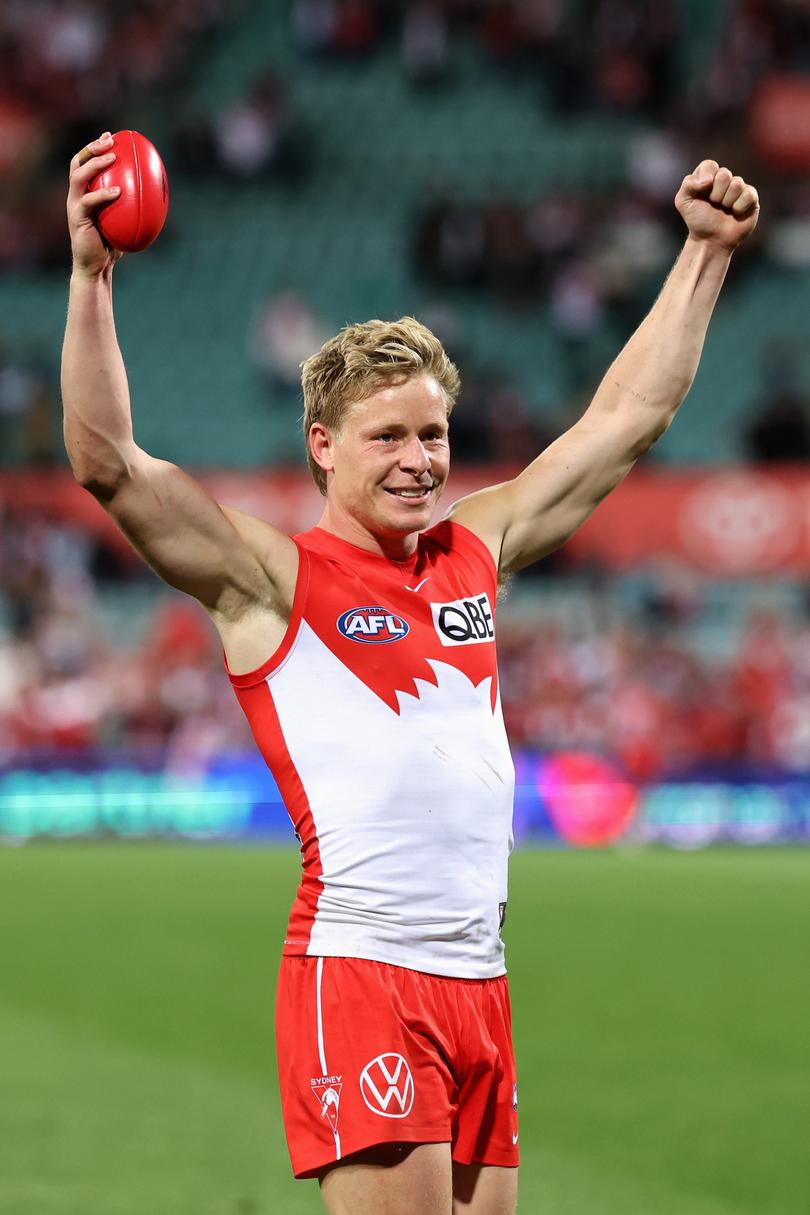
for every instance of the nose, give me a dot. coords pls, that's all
(414, 458)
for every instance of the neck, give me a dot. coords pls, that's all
(398, 546)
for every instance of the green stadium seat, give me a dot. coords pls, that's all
(342, 237)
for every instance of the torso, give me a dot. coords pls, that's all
(380, 718)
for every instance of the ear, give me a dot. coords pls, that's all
(321, 445)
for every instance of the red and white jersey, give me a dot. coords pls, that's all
(380, 718)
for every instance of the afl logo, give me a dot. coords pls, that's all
(372, 625)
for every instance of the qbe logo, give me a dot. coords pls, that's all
(372, 625)
(387, 1086)
(464, 621)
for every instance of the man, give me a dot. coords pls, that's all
(363, 655)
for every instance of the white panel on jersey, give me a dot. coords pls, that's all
(413, 812)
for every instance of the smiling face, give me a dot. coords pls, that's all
(386, 466)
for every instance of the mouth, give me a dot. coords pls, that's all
(416, 494)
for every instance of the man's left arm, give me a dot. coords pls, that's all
(524, 519)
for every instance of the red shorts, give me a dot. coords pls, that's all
(370, 1053)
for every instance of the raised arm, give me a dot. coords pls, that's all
(524, 519)
(233, 565)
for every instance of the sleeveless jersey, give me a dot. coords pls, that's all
(380, 719)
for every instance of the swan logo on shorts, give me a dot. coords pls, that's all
(327, 1090)
(387, 1086)
(372, 625)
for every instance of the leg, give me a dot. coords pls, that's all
(480, 1189)
(392, 1179)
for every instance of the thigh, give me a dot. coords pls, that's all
(486, 1127)
(393, 1179)
(480, 1189)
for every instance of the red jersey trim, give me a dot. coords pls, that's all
(335, 548)
(249, 678)
(478, 543)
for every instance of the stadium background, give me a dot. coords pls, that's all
(504, 171)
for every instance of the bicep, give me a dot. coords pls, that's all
(184, 535)
(530, 516)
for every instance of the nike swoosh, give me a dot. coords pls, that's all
(419, 585)
(514, 1140)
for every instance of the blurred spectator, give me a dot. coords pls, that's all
(779, 431)
(348, 28)
(515, 436)
(314, 23)
(451, 243)
(510, 269)
(576, 304)
(656, 164)
(256, 136)
(787, 237)
(27, 413)
(356, 29)
(287, 332)
(425, 43)
(633, 46)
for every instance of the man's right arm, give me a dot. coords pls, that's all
(169, 517)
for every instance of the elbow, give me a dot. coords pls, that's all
(101, 478)
(655, 426)
(643, 438)
(651, 436)
(103, 489)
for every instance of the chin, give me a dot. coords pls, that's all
(402, 523)
(408, 518)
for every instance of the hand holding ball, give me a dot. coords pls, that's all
(134, 219)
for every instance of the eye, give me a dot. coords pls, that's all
(387, 437)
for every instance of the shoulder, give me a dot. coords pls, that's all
(454, 540)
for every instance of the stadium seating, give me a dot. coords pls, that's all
(377, 150)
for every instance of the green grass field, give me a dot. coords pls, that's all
(661, 1009)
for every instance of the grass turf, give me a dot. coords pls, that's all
(660, 1007)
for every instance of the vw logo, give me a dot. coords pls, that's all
(387, 1086)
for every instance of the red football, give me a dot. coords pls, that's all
(136, 217)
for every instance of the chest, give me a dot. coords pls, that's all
(388, 626)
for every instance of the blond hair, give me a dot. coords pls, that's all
(362, 359)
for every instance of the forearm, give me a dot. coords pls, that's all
(654, 372)
(95, 392)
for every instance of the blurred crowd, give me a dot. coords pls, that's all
(634, 58)
(70, 682)
(62, 71)
(642, 692)
(93, 654)
(584, 260)
(589, 255)
(627, 61)
(593, 261)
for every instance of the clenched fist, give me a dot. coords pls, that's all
(717, 206)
